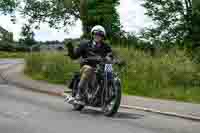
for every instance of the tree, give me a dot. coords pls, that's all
(8, 6)
(172, 17)
(102, 12)
(195, 47)
(57, 13)
(196, 24)
(61, 13)
(27, 36)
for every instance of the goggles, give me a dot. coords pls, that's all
(98, 33)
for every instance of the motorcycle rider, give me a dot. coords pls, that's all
(96, 47)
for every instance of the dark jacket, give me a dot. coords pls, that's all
(88, 49)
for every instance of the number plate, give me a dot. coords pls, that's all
(108, 68)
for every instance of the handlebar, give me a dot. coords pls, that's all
(100, 60)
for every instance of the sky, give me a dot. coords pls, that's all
(131, 14)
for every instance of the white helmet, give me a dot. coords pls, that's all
(98, 28)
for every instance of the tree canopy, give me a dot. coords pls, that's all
(173, 19)
(57, 13)
(103, 12)
(63, 13)
(196, 23)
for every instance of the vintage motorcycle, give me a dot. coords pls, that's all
(106, 94)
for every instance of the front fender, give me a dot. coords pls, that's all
(117, 82)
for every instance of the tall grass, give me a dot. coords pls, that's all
(170, 76)
(50, 66)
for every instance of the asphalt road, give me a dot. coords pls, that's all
(23, 111)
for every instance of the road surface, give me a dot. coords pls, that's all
(23, 111)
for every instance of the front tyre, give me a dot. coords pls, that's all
(112, 107)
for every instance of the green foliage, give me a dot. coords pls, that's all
(63, 13)
(12, 46)
(8, 6)
(196, 21)
(7, 46)
(172, 17)
(27, 36)
(168, 76)
(4, 54)
(172, 75)
(195, 46)
(55, 12)
(52, 67)
(103, 12)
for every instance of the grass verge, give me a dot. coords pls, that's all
(4, 54)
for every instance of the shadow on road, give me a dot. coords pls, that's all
(126, 115)
(119, 115)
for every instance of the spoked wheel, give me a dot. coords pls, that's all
(113, 105)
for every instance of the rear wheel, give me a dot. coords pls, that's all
(112, 107)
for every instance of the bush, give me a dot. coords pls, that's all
(6, 46)
(13, 46)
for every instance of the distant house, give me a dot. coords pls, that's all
(59, 46)
(48, 47)
(5, 35)
(56, 45)
(2, 32)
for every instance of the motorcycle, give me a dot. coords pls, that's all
(106, 94)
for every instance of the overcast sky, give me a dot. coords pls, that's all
(131, 16)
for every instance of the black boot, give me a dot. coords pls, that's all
(80, 94)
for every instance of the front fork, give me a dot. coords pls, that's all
(107, 92)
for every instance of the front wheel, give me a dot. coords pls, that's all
(112, 107)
